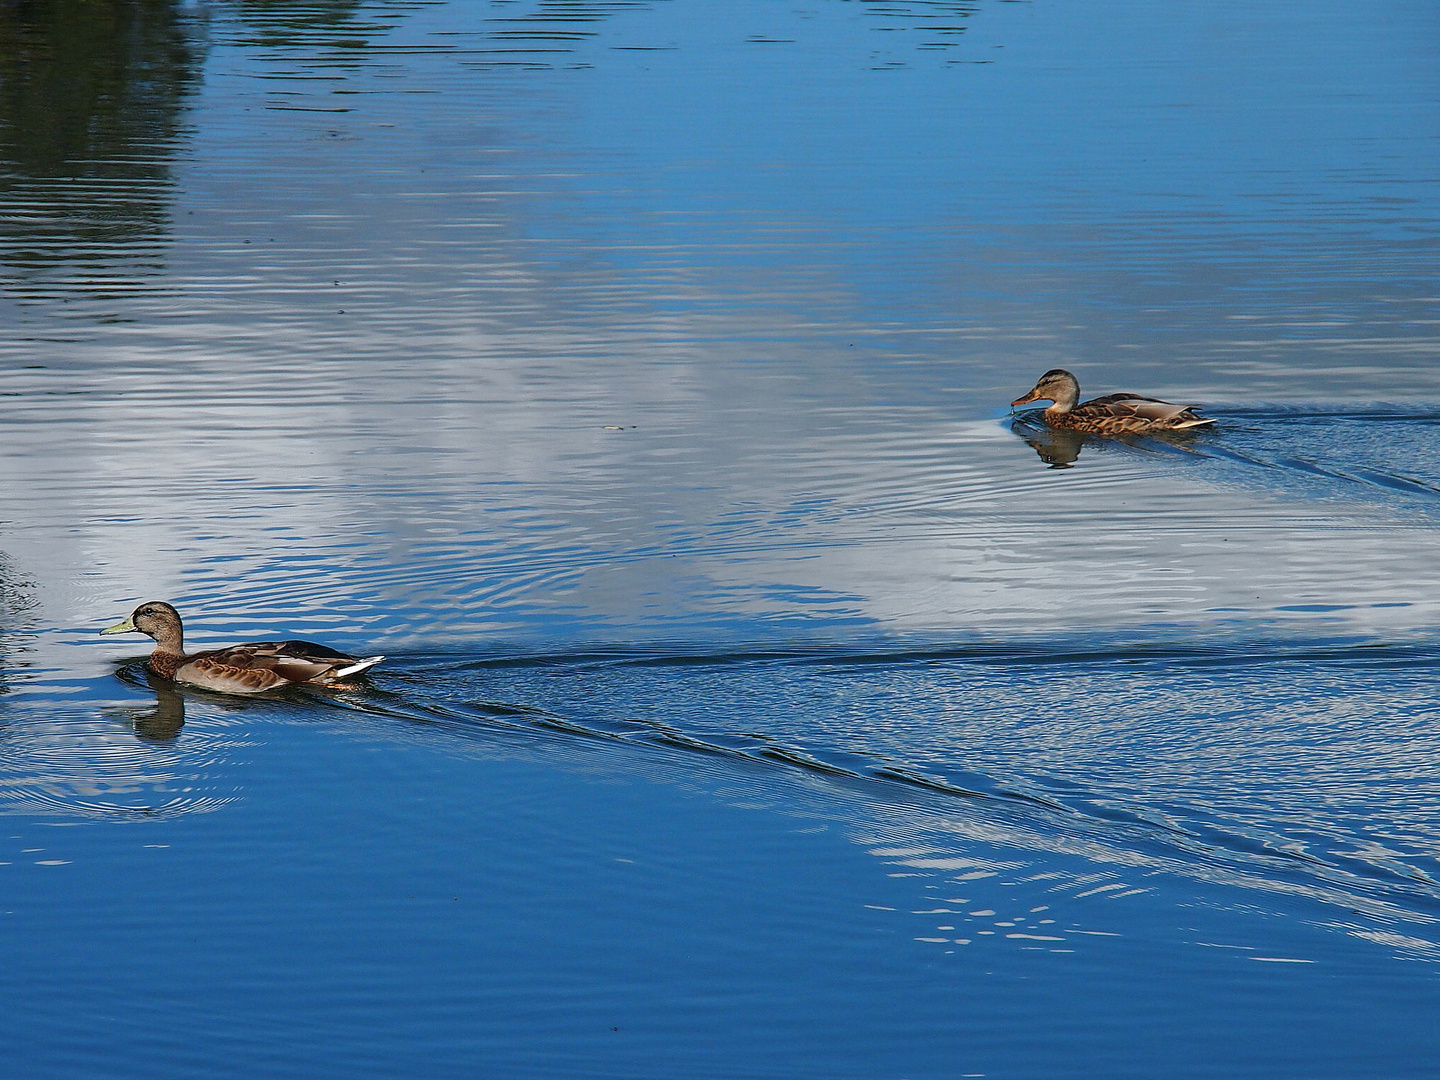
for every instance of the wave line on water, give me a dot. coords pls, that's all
(1180, 836)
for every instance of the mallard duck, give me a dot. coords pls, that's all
(240, 669)
(1113, 414)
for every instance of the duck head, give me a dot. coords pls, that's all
(155, 618)
(1056, 385)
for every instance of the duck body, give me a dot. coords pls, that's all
(1113, 414)
(240, 669)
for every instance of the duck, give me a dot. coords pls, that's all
(1113, 414)
(241, 669)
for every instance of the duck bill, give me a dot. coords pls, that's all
(1031, 396)
(126, 627)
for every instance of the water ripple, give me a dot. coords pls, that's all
(1061, 750)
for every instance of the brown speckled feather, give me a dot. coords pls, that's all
(1128, 414)
(261, 665)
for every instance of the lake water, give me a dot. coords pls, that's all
(762, 699)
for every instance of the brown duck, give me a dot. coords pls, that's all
(240, 669)
(1113, 414)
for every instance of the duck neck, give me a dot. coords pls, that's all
(170, 641)
(165, 662)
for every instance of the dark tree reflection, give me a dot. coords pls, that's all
(92, 101)
(17, 616)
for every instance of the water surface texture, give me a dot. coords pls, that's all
(762, 699)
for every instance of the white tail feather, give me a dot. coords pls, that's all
(357, 667)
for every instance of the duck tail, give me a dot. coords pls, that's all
(357, 667)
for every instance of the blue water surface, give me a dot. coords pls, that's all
(761, 697)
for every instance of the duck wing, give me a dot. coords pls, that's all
(1142, 410)
(262, 665)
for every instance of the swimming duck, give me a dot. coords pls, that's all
(240, 669)
(1113, 414)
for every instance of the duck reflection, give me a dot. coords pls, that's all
(163, 720)
(1057, 448)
